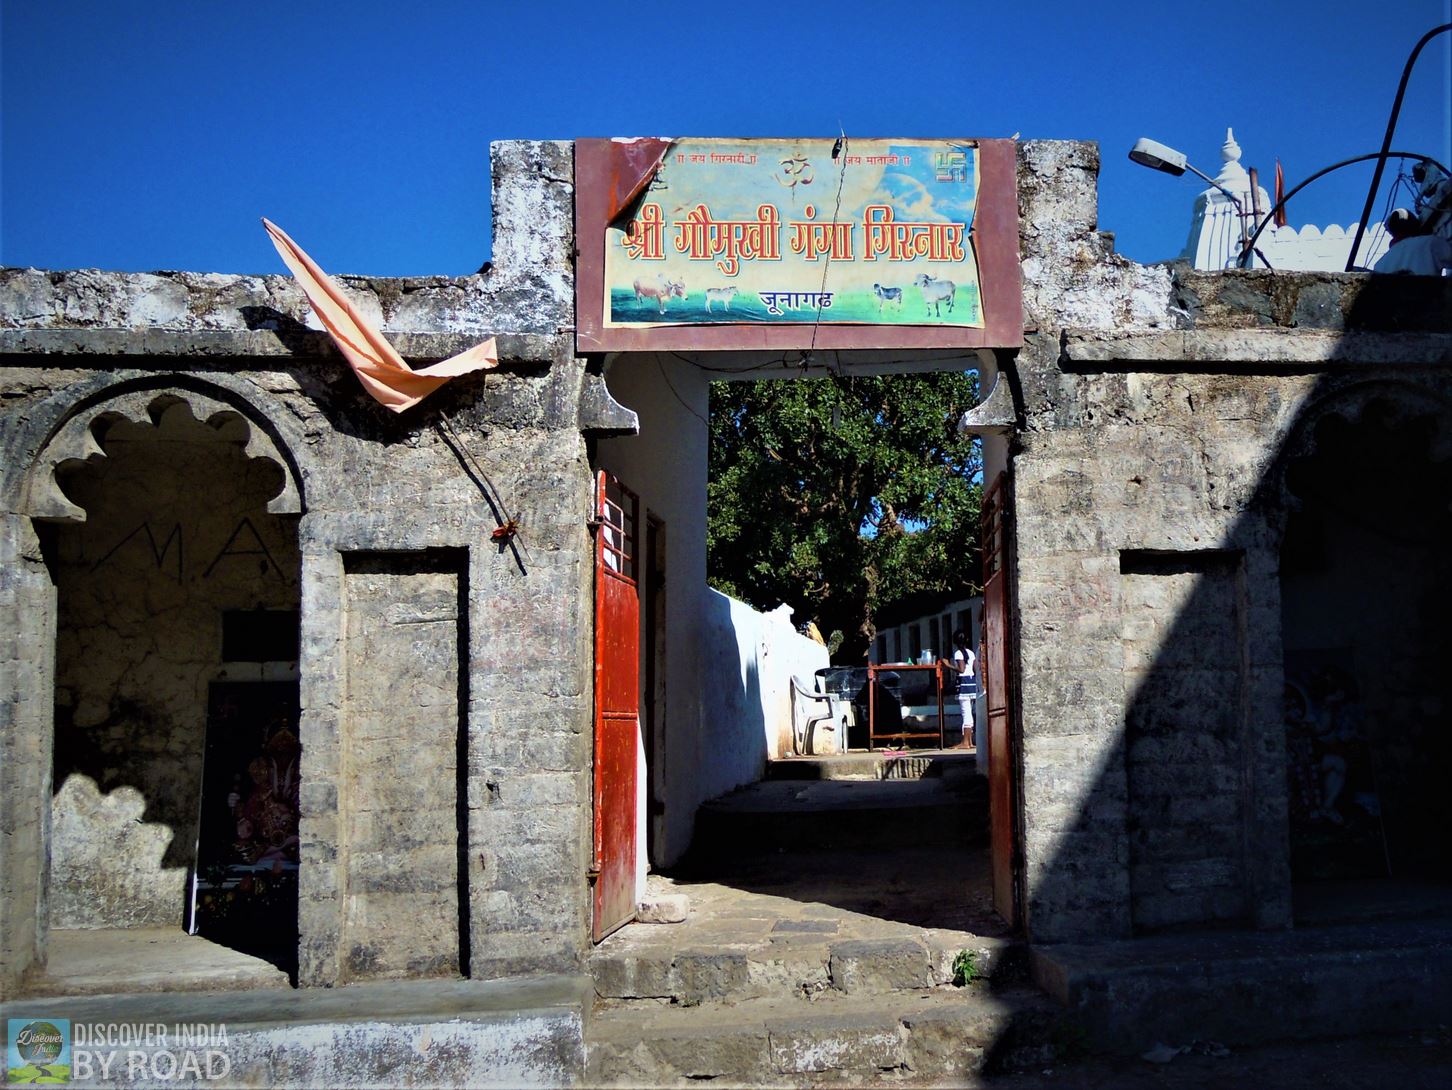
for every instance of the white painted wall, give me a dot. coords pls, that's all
(666, 465)
(964, 612)
(749, 659)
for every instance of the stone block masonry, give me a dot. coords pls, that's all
(399, 790)
(1158, 409)
(444, 681)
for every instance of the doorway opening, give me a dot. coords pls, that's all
(1366, 585)
(732, 800)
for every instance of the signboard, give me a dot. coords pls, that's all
(704, 243)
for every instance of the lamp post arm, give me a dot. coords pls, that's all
(1216, 185)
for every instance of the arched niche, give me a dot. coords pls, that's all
(77, 439)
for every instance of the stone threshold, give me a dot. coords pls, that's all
(388, 1001)
(106, 961)
(938, 1032)
(875, 765)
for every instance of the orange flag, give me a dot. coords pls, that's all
(393, 383)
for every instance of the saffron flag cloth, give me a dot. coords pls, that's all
(1280, 196)
(393, 383)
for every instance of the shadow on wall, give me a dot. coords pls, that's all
(1286, 712)
(734, 748)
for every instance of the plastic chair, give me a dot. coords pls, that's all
(830, 718)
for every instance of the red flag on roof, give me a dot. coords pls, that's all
(1280, 196)
(384, 374)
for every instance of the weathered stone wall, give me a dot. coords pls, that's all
(363, 482)
(177, 531)
(1183, 736)
(1155, 406)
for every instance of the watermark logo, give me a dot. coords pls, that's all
(38, 1051)
(59, 1051)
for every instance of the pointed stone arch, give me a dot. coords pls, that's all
(1391, 400)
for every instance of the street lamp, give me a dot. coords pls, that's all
(1157, 156)
(1161, 157)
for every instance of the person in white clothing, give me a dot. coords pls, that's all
(965, 664)
(1412, 250)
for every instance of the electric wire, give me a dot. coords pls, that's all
(675, 393)
(1356, 242)
(839, 151)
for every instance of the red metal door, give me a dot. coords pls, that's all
(617, 703)
(998, 681)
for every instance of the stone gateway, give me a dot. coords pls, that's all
(264, 656)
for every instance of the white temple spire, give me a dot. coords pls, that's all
(1232, 175)
(1217, 227)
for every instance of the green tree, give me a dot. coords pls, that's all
(837, 495)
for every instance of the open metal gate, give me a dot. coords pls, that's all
(617, 703)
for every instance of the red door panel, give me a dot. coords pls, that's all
(998, 679)
(617, 703)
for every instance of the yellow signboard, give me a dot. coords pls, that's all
(874, 232)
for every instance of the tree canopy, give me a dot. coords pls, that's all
(840, 495)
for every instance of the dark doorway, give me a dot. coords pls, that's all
(653, 703)
(245, 890)
(1366, 588)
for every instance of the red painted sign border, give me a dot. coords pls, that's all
(605, 169)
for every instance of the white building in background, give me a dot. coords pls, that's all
(906, 638)
(1215, 230)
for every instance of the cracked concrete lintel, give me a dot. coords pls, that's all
(994, 415)
(601, 415)
(262, 343)
(1268, 349)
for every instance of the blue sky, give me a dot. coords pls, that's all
(152, 135)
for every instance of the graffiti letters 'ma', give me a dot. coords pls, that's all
(169, 553)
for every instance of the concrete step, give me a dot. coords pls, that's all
(1247, 988)
(797, 959)
(521, 1032)
(110, 961)
(795, 816)
(938, 1033)
(877, 765)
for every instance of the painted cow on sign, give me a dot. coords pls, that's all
(660, 291)
(936, 292)
(887, 295)
(719, 295)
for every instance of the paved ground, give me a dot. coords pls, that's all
(783, 905)
(848, 894)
